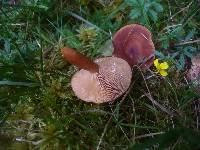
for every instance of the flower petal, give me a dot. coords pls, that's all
(156, 63)
(164, 65)
(163, 73)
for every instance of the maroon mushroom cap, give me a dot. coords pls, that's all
(133, 43)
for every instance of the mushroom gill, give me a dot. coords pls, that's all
(112, 80)
(100, 81)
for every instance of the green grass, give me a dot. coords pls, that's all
(38, 109)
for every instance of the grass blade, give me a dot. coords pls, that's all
(14, 83)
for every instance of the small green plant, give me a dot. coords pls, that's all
(144, 11)
(180, 52)
(88, 37)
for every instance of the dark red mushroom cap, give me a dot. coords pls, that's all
(133, 43)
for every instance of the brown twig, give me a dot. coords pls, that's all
(187, 42)
(148, 135)
(154, 102)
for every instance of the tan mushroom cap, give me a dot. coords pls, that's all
(112, 80)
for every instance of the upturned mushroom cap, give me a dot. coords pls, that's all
(133, 43)
(110, 82)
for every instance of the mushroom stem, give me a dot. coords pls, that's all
(79, 60)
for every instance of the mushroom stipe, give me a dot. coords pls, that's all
(79, 60)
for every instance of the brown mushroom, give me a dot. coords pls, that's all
(100, 81)
(194, 73)
(133, 43)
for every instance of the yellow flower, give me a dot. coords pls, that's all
(161, 67)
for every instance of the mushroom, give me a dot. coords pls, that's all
(100, 81)
(133, 43)
(194, 72)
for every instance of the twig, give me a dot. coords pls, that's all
(172, 26)
(146, 85)
(148, 135)
(170, 12)
(154, 102)
(187, 42)
(183, 9)
(158, 105)
(104, 132)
